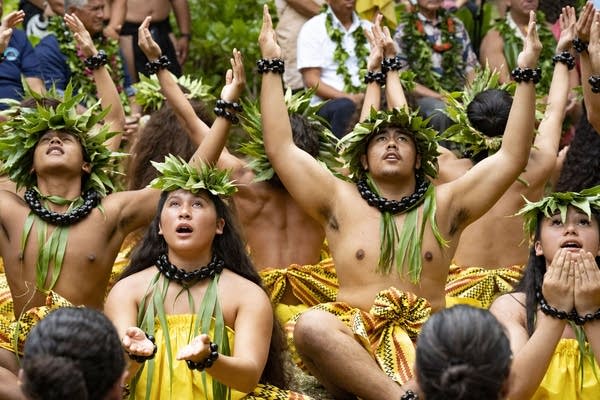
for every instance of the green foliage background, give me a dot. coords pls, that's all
(219, 26)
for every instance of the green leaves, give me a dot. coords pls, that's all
(176, 173)
(354, 145)
(150, 97)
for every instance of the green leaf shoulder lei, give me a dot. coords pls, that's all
(513, 43)
(419, 51)
(81, 76)
(298, 103)
(341, 55)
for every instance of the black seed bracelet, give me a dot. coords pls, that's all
(526, 74)
(275, 65)
(566, 58)
(221, 110)
(392, 64)
(378, 77)
(409, 395)
(153, 67)
(579, 45)
(208, 361)
(96, 61)
(594, 82)
(140, 359)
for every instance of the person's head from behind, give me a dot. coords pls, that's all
(73, 353)
(90, 12)
(488, 111)
(462, 353)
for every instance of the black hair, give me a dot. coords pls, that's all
(229, 247)
(533, 276)
(73, 353)
(488, 113)
(462, 353)
(581, 168)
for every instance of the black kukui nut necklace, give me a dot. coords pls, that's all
(91, 198)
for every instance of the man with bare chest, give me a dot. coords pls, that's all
(175, 49)
(387, 287)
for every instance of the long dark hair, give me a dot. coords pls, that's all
(73, 353)
(462, 353)
(533, 277)
(230, 247)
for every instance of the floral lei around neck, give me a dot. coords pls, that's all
(419, 52)
(81, 76)
(513, 44)
(340, 54)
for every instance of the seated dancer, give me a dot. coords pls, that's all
(59, 243)
(553, 316)
(192, 331)
(73, 353)
(387, 286)
(463, 353)
(284, 242)
(487, 265)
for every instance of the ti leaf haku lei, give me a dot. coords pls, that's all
(21, 133)
(513, 43)
(81, 76)
(588, 201)
(176, 173)
(419, 51)
(298, 103)
(149, 95)
(341, 55)
(471, 140)
(398, 248)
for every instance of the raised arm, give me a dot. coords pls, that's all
(296, 168)
(373, 92)
(210, 140)
(475, 192)
(542, 158)
(107, 91)
(588, 29)
(394, 92)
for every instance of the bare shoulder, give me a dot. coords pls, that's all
(134, 285)
(510, 306)
(230, 282)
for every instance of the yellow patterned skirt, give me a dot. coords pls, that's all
(14, 332)
(481, 284)
(388, 331)
(564, 379)
(310, 284)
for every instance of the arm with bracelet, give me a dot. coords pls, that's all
(107, 91)
(210, 140)
(581, 44)
(375, 78)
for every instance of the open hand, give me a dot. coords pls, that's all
(587, 283)
(235, 79)
(150, 48)
(267, 39)
(197, 350)
(7, 25)
(81, 35)
(528, 58)
(558, 286)
(136, 343)
(568, 31)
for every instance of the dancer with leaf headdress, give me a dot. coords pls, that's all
(389, 285)
(59, 242)
(190, 307)
(285, 244)
(486, 265)
(553, 317)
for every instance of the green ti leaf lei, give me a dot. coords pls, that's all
(419, 52)
(341, 55)
(81, 76)
(152, 308)
(513, 45)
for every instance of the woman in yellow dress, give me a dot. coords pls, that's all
(553, 317)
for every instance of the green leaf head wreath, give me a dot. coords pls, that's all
(298, 103)
(176, 173)
(21, 132)
(150, 97)
(354, 145)
(588, 201)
